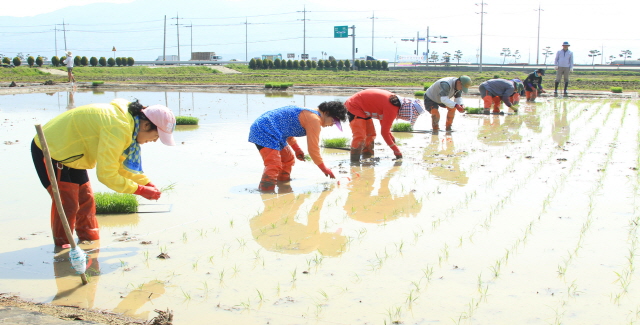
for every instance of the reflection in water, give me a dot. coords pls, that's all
(495, 133)
(71, 103)
(560, 130)
(137, 298)
(71, 291)
(180, 128)
(276, 228)
(444, 161)
(532, 119)
(118, 220)
(362, 206)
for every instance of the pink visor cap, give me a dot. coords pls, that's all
(337, 123)
(163, 118)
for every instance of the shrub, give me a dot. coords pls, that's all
(130, 61)
(334, 64)
(347, 65)
(289, 64)
(340, 65)
(378, 65)
(335, 142)
(31, 61)
(368, 64)
(426, 85)
(401, 127)
(616, 89)
(187, 120)
(269, 64)
(16, 61)
(259, 64)
(111, 62)
(115, 203)
(6, 60)
(55, 61)
(84, 61)
(276, 63)
(419, 93)
(102, 61)
(76, 61)
(308, 64)
(93, 61)
(118, 61)
(39, 61)
(303, 64)
(385, 65)
(252, 64)
(314, 64)
(320, 64)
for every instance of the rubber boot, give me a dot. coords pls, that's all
(272, 167)
(451, 113)
(488, 101)
(69, 197)
(435, 120)
(87, 227)
(288, 160)
(566, 84)
(555, 92)
(496, 104)
(367, 150)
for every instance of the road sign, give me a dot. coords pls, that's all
(291, 55)
(340, 31)
(304, 56)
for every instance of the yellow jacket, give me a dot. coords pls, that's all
(95, 134)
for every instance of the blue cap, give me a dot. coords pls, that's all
(566, 43)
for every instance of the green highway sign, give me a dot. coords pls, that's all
(340, 31)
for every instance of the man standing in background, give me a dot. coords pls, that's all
(564, 65)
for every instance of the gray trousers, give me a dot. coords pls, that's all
(563, 72)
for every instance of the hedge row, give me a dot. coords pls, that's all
(94, 62)
(259, 64)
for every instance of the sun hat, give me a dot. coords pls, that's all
(566, 43)
(337, 123)
(466, 82)
(69, 53)
(163, 118)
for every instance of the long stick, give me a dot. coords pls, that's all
(56, 192)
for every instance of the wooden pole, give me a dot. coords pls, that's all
(56, 192)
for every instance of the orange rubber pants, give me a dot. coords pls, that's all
(277, 167)
(80, 208)
(364, 135)
(492, 101)
(531, 95)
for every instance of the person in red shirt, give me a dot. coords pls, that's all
(382, 105)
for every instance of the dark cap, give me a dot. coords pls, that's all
(540, 72)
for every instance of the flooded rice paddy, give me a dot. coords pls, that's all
(520, 219)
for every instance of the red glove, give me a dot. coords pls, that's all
(459, 107)
(396, 151)
(326, 171)
(298, 151)
(152, 185)
(148, 192)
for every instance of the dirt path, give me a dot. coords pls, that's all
(54, 72)
(223, 69)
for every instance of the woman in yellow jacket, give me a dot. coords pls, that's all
(107, 136)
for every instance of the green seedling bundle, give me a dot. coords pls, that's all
(187, 120)
(617, 90)
(335, 142)
(474, 110)
(115, 203)
(419, 93)
(401, 127)
(280, 85)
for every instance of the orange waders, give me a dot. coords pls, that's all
(277, 167)
(364, 135)
(492, 101)
(76, 196)
(531, 95)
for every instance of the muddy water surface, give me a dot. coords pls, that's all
(529, 218)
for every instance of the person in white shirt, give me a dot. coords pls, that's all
(564, 65)
(69, 62)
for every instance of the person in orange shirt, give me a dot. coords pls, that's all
(382, 105)
(274, 131)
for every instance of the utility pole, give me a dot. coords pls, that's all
(481, 29)
(418, 44)
(373, 18)
(64, 32)
(164, 43)
(191, 27)
(353, 48)
(304, 29)
(246, 40)
(177, 18)
(538, 48)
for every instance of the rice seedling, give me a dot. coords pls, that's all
(335, 142)
(97, 83)
(474, 110)
(187, 120)
(280, 85)
(115, 203)
(616, 90)
(260, 296)
(426, 85)
(401, 127)
(419, 93)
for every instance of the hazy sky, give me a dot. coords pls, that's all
(238, 28)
